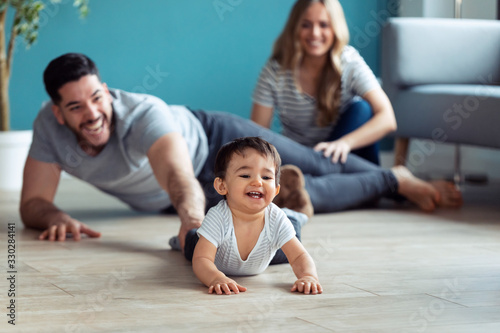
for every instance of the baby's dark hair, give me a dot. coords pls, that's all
(238, 146)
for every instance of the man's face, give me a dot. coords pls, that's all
(85, 108)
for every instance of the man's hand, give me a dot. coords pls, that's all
(185, 227)
(57, 230)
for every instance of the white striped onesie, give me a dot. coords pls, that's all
(218, 229)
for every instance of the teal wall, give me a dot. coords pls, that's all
(182, 51)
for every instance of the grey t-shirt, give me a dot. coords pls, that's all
(122, 168)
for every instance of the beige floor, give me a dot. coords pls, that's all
(383, 270)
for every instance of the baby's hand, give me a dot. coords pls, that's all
(307, 285)
(225, 285)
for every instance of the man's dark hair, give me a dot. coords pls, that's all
(67, 68)
(238, 146)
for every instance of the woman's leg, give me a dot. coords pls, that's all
(338, 192)
(356, 115)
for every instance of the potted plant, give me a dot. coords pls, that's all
(14, 145)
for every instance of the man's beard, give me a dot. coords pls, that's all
(86, 145)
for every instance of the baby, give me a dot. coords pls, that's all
(241, 235)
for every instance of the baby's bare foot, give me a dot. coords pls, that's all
(293, 194)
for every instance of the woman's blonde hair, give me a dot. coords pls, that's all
(288, 53)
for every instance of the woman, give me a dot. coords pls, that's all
(328, 98)
(325, 93)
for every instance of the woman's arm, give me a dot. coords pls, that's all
(382, 123)
(262, 115)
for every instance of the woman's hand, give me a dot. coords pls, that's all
(336, 149)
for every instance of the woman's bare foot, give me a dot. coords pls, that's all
(426, 195)
(451, 197)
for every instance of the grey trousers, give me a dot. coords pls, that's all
(332, 186)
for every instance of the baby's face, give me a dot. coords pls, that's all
(250, 184)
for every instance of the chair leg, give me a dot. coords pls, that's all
(401, 151)
(457, 175)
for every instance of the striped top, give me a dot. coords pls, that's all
(297, 110)
(218, 229)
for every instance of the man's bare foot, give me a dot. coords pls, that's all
(293, 194)
(426, 195)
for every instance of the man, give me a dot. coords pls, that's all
(92, 134)
(155, 157)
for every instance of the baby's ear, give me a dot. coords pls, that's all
(219, 186)
(277, 190)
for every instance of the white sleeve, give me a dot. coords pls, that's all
(265, 90)
(212, 227)
(281, 227)
(359, 78)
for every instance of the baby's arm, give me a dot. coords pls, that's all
(206, 271)
(303, 267)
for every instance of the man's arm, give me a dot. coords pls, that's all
(172, 166)
(37, 208)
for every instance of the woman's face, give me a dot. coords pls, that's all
(315, 31)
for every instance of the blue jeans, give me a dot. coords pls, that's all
(331, 186)
(355, 116)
